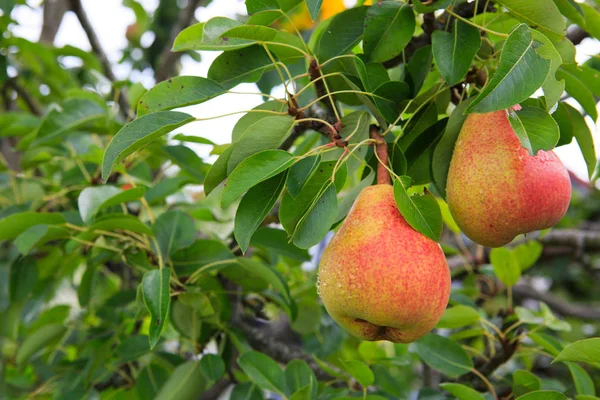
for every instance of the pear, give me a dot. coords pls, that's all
(379, 278)
(496, 190)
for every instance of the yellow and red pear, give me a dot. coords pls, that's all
(379, 278)
(496, 190)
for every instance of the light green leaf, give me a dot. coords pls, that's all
(30, 237)
(587, 351)
(359, 371)
(139, 133)
(525, 382)
(553, 89)
(91, 198)
(573, 124)
(253, 116)
(314, 6)
(184, 383)
(543, 395)
(458, 316)
(583, 382)
(212, 366)
(317, 219)
(207, 36)
(15, 224)
(528, 253)
(36, 341)
(506, 266)
(579, 90)
(173, 230)
(298, 375)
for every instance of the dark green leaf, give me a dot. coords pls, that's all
(139, 133)
(579, 90)
(539, 14)
(454, 52)
(418, 68)
(202, 252)
(254, 208)
(263, 371)
(572, 123)
(246, 391)
(218, 171)
(317, 219)
(543, 395)
(427, 7)
(184, 383)
(276, 240)
(314, 6)
(253, 170)
(300, 173)
(535, 128)
(525, 382)
(157, 297)
(422, 212)
(343, 32)
(237, 66)
(298, 375)
(212, 366)
(521, 71)
(178, 92)
(443, 355)
(41, 338)
(173, 230)
(388, 98)
(458, 316)
(27, 240)
(150, 380)
(442, 154)
(252, 117)
(462, 392)
(388, 28)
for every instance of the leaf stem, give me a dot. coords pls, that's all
(504, 35)
(486, 381)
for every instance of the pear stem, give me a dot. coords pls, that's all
(381, 148)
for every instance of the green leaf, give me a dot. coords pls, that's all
(419, 155)
(571, 10)
(184, 383)
(253, 170)
(462, 392)
(186, 159)
(91, 198)
(286, 46)
(427, 7)
(132, 348)
(454, 52)
(422, 212)
(193, 139)
(207, 36)
(592, 20)
(218, 171)
(360, 371)
(458, 316)
(587, 351)
(263, 371)
(553, 89)
(266, 133)
(317, 220)
(543, 395)
(237, 66)
(27, 240)
(528, 253)
(347, 200)
(506, 266)
(551, 321)
(246, 391)
(343, 32)
(212, 366)
(304, 393)
(388, 98)
(418, 67)
(388, 27)
(298, 375)
(15, 224)
(23, 278)
(314, 6)
(139, 133)
(572, 123)
(157, 297)
(300, 173)
(200, 253)
(521, 71)
(150, 380)
(525, 382)
(444, 355)
(535, 128)
(539, 14)
(583, 382)
(173, 230)
(254, 208)
(253, 116)
(276, 241)
(579, 90)
(36, 341)
(178, 92)
(442, 155)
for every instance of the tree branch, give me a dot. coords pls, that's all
(77, 8)
(524, 291)
(167, 59)
(54, 11)
(31, 103)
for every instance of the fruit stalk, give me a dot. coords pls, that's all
(381, 148)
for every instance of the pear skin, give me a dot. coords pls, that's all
(379, 278)
(496, 190)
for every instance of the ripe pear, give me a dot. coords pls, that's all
(379, 278)
(496, 190)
